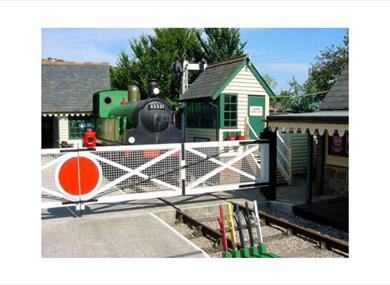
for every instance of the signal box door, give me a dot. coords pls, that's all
(256, 115)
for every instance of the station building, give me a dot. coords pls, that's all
(228, 99)
(327, 140)
(67, 89)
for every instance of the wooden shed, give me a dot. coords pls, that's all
(229, 98)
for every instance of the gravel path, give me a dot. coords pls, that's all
(336, 233)
(275, 238)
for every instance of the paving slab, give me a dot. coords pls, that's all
(185, 203)
(135, 228)
(131, 236)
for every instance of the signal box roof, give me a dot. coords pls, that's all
(211, 82)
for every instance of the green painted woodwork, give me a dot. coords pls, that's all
(227, 134)
(200, 114)
(259, 251)
(227, 254)
(257, 75)
(257, 122)
(222, 107)
(221, 111)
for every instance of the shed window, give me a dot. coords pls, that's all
(230, 107)
(78, 126)
(200, 114)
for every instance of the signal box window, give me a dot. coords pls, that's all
(201, 114)
(230, 114)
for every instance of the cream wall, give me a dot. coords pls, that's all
(244, 84)
(63, 129)
(191, 133)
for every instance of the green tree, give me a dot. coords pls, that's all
(221, 43)
(323, 73)
(328, 66)
(153, 56)
(121, 75)
(272, 83)
(297, 100)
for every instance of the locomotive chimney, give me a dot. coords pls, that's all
(153, 89)
(133, 93)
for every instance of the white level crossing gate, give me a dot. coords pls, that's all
(124, 173)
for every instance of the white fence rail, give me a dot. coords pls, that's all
(123, 173)
(284, 158)
(228, 165)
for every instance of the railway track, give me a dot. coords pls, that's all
(282, 237)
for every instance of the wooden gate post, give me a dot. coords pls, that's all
(309, 170)
(271, 136)
(272, 165)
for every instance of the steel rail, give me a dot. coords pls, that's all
(204, 229)
(324, 240)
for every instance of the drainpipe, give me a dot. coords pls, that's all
(309, 171)
(217, 122)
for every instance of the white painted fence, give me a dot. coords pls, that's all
(222, 166)
(123, 173)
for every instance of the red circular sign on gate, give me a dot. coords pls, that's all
(78, 176)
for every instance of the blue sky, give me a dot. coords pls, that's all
(280, 53)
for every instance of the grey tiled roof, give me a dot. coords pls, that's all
(210, 80)
(332, 116)
(337, 97)
(68, 87)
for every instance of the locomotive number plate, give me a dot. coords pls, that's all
(156, 106)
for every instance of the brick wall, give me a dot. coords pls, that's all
(336, 180)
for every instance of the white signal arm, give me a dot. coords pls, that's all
(186, 67)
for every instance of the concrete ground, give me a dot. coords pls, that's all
(137, 229)
(131, 229)
(133, 236)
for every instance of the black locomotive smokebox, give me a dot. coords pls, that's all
(155, 116)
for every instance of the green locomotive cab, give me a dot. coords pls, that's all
(113, 115)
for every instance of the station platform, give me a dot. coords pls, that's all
(332, 212)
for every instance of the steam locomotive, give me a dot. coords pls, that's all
(122, 118)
